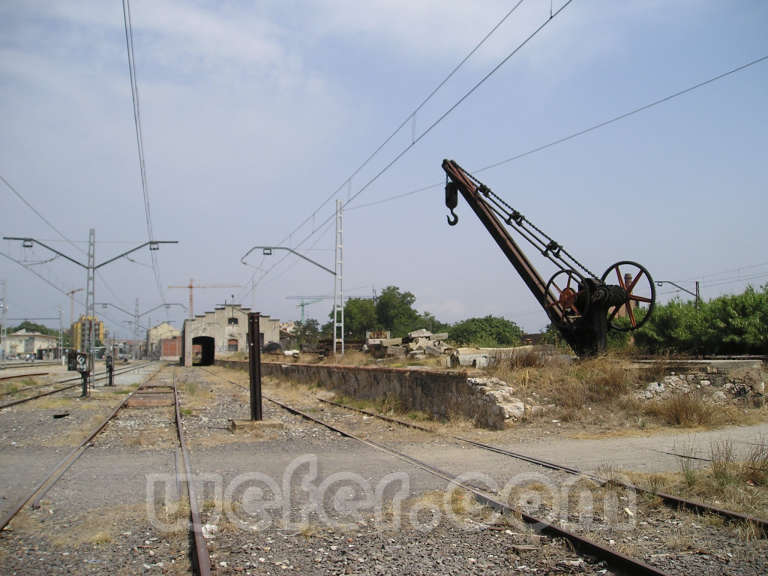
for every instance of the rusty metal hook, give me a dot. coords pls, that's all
(453, 219)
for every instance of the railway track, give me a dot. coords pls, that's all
(622, 563)
(102, 376)
(618, 562)
(668, 499)
(150, 391)
(34, 364)
(17, 376)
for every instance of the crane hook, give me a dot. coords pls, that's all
(453, 219)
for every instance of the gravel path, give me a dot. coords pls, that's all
(290, 496)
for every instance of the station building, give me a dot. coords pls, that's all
(23, 343)
(223, 332)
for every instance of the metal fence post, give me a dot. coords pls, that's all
(254, 364)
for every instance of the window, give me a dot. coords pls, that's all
(232, 345)
(232, 321)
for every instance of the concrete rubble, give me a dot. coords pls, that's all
(721, 389)
(418, 344)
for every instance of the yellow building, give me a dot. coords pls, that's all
(80, 331)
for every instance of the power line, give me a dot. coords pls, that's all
(128, 25)
(57, 231)
(433, 125)
(407, 119)
(466, 95)
(40, 215)
(52, 285)
(577, 133)
(714, 275)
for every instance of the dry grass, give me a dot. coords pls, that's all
(722, 462)
(724, 481)
(350, 358)
(682, 410)
(755, 467)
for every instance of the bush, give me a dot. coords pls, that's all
(733, 324)
(488, 331)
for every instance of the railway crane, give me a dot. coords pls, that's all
(582, 306)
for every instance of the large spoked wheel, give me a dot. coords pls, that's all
(568, 297)
(640, 289)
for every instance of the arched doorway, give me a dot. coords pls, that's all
(203, 350)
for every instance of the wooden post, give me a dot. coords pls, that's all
(254, 364)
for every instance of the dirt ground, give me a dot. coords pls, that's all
(290, 496)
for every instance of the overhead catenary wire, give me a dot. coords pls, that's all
(347, 181)
(58, 288)
(128, 26)
(65, 238)
(430, 127)
(458, 103)
(576, 134)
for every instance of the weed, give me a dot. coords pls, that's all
(755, 468)
(657, 370)
(682, 410)
(529, 358)
(191, 387)
(723, 457)
(656, 482)
(687, 464)
(749, 531)
(308, 530)
(391, 404)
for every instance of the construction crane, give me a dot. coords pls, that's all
(191, 287)
(307, 301)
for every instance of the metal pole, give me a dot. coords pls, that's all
(254, 364)
(136, 330)
(4, 320)
(90, 305)
(338, 284)
(61, 335)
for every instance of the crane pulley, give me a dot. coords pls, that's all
(581, 305)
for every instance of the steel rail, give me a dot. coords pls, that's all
(617, 561)
(97, 377)
(668, 499)
(201, 556)
(23, 376)
(50, 392)
(67, 461)
(8, 364)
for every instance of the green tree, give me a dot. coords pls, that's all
(428, 321)
(359, 316)
(395, 312)
(487, 331)
(33, 327)
(308, 332)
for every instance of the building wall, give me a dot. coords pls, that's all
(23, 342)
(161, 332)
(155, 335)
(228, 326)
(80, 331)
(170, 348)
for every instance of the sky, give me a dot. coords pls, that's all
(256, 116)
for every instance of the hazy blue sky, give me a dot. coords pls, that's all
(255, 112)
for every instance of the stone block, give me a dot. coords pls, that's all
(251, 425)
(421, 333)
